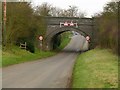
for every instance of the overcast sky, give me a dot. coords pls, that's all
(89, 6)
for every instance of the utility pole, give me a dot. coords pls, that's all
(4, 23)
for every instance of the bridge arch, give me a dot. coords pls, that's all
(84, 26)
(50, 37)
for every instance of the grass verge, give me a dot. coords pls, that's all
(64, 43)
(17, 55)
(65, 39)
(96, 69)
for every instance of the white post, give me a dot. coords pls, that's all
(60, 24)
(41, 44)
(76, 25)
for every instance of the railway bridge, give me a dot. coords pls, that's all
(58, 25)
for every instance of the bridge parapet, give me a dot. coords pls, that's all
(57, 20)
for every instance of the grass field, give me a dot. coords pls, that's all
(96, 69)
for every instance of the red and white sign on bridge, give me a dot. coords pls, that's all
(68, 24)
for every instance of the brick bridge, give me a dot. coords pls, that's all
(58, 25)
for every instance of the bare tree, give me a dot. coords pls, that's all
(48, 10)
(44, 9)
(72, 11)
(81, 14)
(56, 12)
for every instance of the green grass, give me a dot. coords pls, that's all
(96, 69)
(64, 43)
(17, 55)
(65, 40)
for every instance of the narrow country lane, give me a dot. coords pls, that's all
(52, 72)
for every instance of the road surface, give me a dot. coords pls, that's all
(52, 72)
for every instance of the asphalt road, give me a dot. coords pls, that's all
(52, 72)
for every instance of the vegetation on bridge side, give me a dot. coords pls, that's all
(64, 40)
(22, 25)
(108, 22)
(97, 68)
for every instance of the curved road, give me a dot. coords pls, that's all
(52, 72)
